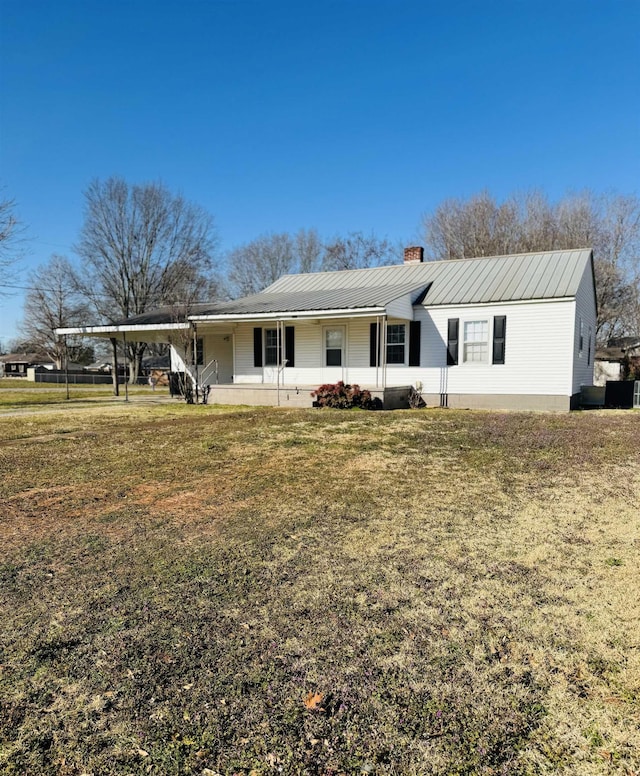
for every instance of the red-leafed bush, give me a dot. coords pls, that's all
(340, 396)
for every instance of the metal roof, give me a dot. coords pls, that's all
(353, 298)
(548, 275)
(518, 277)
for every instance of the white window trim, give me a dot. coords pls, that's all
(405, 345)
(461, 341)
(264, 347)
(342, 326)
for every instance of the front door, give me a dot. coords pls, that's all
(334, 354)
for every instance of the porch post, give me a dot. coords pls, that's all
(278, 360)
(384, 352)
(126, 367)
(194, 358)
(378, 350)
(66, 366)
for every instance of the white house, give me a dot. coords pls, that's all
(501, 332)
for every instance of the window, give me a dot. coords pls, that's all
(395, 343)
(334, 346)
(589, 349)
(476, 342)
(270, 347)
(265, 346)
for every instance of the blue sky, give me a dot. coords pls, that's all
(343, 116)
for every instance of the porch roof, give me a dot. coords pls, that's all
(331, 301)
(268, 306)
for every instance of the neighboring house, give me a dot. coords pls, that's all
(16, 364)
(501, 332)
(620, 357)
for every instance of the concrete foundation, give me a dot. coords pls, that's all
(393, 398)
(500, 401)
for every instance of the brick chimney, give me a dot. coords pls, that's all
(414, 255)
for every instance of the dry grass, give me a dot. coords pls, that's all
(461, 588)
(19, 394)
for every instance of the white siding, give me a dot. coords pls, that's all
(217, 346)
(308, 351)
(538, 352)
(244, 371)
(401, 308)
(539, 337)
(585, 314)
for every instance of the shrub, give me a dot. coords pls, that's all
(343, 397)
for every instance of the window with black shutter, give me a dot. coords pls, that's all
(396, 333)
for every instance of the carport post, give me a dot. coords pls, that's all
(66, 366)
(126, 367)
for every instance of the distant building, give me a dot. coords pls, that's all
(16, 364)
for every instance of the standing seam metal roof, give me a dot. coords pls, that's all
(546, 275)
(353, 297)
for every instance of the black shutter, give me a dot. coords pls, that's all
(289, 346)
(414, 343)
(257, 347)
(452, 341)
(374, 349)
(499, 336)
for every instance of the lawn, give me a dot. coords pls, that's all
(23, 394)
(198, 590)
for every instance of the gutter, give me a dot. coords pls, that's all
(123, 327)
(296, 314)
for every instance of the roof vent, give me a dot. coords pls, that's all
(414, 255)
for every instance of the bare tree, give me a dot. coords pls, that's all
(142, 247)
(259, 263)
(357, 251)
(11, 236)
(53, 302)
(610, 224)
(308, 249)
(256, 264)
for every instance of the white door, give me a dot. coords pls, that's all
(334, 353)
(217, 362)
